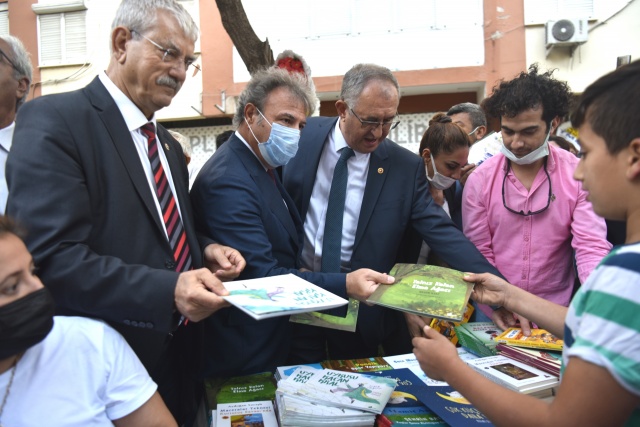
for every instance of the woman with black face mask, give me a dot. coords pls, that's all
(63, 371)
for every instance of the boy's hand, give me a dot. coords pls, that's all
(435, 353)
(416, 324)
(489, 289)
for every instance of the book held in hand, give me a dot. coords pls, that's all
(425, 290)
(539, 338)
(279, 296)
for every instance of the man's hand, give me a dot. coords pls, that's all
(416, 324)
(435, 353)
(361, 283)
(465, 171)
(489, 289)
(198, 294)
(225, 262)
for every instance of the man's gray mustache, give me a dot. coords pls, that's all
(169, 82)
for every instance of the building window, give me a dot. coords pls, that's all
(62, 34)
(4, 19)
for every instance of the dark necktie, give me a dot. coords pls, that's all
(170, 215)
(332, 240)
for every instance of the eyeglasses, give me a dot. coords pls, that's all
(473, 131)
(387, 125)
(521, 212)
(4, 55)
(171, 56)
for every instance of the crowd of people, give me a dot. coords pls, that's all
(131, 318)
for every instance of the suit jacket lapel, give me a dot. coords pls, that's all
(121, 138)
(312, 161)
(378, 171)
(269, 191)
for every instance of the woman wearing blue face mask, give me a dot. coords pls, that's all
(444, 148)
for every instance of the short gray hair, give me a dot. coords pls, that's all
(475, 112)
(359, 76)
(265, 81)
(22, 62)
(140, 15)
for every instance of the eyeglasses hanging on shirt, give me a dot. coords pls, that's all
(550, 197)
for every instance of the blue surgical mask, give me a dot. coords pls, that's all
(281, 146)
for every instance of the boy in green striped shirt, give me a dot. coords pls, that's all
(601, 327)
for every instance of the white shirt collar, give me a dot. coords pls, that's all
(133, 117)
(6, 136)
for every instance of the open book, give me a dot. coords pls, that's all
(279, 296)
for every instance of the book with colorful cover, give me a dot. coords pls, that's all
(448, 328)
(368, 364)
(410, 362)
(404, 409)
(279, 296)
(425, 290)
(539, 338)
(324, 320)
(478, 337)
(258, 413)
(513, 374)
(283, 372)
(546, 360)
(339, 388)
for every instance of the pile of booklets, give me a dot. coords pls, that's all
(313, 397)
(515, 375)
(478, 337)
(541, 349)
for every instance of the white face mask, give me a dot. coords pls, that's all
(537, 154)
(438, 181)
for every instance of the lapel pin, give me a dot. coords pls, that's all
(166, 146)
(380, 171)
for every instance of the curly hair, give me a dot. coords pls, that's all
(611, 106)
(527, 91)
(443, 135)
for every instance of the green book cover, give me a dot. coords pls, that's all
(323, 320)
(425, 290)
(249, 388)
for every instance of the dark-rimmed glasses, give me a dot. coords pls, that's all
(369, 125)
(6, 57)
(521, 212)
(171, 56)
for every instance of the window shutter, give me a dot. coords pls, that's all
(50, 36)
(75, 39)
(4, 23)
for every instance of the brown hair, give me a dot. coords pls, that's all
(443, 135)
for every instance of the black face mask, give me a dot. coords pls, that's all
(25, 322)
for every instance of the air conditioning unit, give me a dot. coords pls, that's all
(566, 32)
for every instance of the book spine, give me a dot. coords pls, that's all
(530, 344)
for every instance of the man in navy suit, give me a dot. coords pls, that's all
(239, 201)
(387, 196)
(82, 182)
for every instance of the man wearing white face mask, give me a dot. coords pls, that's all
(238, 198)
(522, 209)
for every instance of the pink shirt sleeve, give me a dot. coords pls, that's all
(474, 216)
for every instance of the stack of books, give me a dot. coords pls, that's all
(515, 375)
(539, 338)
(545, 360)
(312, 397)
(478, 337)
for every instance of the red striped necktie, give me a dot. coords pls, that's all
(170, 215)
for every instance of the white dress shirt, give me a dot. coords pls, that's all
(135, 119)
(358, 167)
(6, 135)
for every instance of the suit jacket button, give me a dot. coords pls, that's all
(149, 325)
(127, 322)
(170, 264)
(134, 323)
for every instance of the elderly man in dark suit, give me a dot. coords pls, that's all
(386, 197)
(103, 190)
(238, 200)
